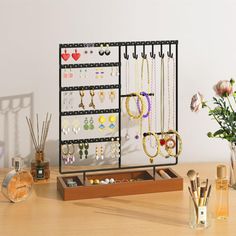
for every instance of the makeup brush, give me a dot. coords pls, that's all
(198, 184)
(208, 195)
(202, 194)
(206, 188)
(192, 176)
(191, 194)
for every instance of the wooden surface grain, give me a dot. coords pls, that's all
(44, 213)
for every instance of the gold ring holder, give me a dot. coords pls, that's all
(141, 108)
(145, 147)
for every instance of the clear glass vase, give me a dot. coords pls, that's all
(232, 165)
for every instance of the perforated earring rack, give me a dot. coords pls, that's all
(176, 184)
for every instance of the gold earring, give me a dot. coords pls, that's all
(112, 95)
(92, 94)
(81, 93)
(101, 96)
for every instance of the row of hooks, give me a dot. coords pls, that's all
(89, 65)
(88, 112)
(90, 140)
(152, 54)
(94, 87)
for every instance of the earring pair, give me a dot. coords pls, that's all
(112, 95)
(84, 146)
(68, 151)
(99, 73)
(103, 51)
(68, 75)
(83, 74)
(99, 153)
(88, 124)
(102, 119)
(114, 71)
(66, 126)
(75, 55)
(82, 94)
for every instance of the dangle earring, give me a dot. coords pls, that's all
(71, 153)
(65, 74)
(86, 125)
(92, 94)
(70, 74)
(112, 120)
(112, 95)
(85, 74)
(65, 100)
(91, 125)
(101, 51)
(117, 71)
(115, 148)
(101, 96)
(65, 153)
(101, 153)
(76, 55)
(81, 105)
(76, 126)
(113, 73)
(71, 100)
(80, 73)
(65, 127)
(81, 146)
(96, 153)
(65, 56)
(107, 51)
(86, 147)
(101, 120)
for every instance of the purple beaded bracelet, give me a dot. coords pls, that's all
(149, 104)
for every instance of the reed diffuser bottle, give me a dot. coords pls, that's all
(222, 193)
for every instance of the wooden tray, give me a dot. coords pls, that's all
(142, 182)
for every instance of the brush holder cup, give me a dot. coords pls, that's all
(40, 167)
(199, 216)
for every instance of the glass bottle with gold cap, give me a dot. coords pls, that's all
(222, 193)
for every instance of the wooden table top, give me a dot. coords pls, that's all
(44, 213)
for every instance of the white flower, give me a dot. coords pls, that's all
(197, 102)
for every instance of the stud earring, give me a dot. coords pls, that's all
(101, 153)
(112, 95)
(65, 152)
(101, 120)
(65, 56)
(81, 105)
(65, 127)
(76, 55)
(76, 126)
(86, 147)
(112, 120)
(80, 73)
(107, 51)
(92, 94)
(81, 146)
(101, 96)
(71, 153)
(86, 125)
(91, 125)
(85, 73)
(96, 153)
(101, 51)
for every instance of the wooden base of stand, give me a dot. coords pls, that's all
(127, 183)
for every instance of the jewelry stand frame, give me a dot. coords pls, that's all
(151, 181)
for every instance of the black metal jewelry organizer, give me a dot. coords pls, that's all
(120, 47)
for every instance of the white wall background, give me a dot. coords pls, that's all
(32, 30)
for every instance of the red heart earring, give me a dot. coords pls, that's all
(76, 55)
(65, 56)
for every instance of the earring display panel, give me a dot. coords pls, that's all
(89, 107)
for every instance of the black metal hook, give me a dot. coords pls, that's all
(126, 56)
(135, 55)
(143, 54)
(152, 54)
(169, 53)
(161, 54)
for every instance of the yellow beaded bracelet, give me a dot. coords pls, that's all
(141, 107)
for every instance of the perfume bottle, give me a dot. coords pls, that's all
(222, 193)
(17, 184)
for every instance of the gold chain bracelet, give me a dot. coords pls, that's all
(145, 147)
(141, 107)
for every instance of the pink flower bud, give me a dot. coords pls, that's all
(223, 88)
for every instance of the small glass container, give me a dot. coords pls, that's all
(199, 216)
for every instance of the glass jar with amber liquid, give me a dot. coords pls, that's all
(222, 193)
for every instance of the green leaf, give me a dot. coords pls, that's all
(218, 132)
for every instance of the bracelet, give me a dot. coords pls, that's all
(148, 102)
(141, 108)
(171, 144)
(145, 147)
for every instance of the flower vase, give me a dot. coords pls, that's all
(232, 165)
